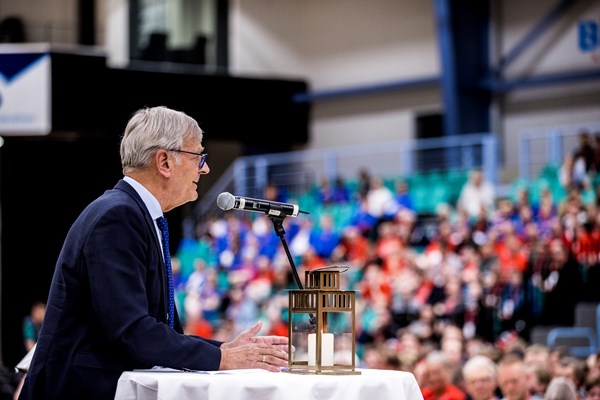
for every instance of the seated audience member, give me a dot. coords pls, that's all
(31, 329)
(592, 389)
(381, 202)
(479, 374)
(364, 182)
(538, 379)
(354, 248)
(334, 192)
(32, 324)
(341, 194)
(593, 366)
(439, 384)
(363, 220)
(512, 379)
(324, 238)
(537, 355)
(574, 369)
(577, 165)
(403, 197)
(560, 388)
(477, 195)
(273, 192)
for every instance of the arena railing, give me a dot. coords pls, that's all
(298, 171)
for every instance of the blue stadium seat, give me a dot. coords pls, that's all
(581, 341)
(583, 338)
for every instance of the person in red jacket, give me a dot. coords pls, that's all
(438, 379)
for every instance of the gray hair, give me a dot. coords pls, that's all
(560, 388)
(479, 362)
(153, 128)
(437, 357)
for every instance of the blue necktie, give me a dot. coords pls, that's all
(164, 228)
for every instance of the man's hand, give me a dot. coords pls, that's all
(250, 351)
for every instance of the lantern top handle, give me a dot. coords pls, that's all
(324, 278)
(330, 268)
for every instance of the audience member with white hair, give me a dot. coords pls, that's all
(560, 388)
(438, 379)
(479, 374)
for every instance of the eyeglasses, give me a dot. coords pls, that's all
(201, 155)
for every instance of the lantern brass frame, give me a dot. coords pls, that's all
(320, 297)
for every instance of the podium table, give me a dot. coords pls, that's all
(257, 384)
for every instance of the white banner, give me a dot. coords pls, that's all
(25, 90)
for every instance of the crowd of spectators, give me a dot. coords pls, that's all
(457, 312)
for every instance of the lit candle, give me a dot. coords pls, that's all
(326, 349)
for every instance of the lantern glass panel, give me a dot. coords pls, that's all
(301, 328)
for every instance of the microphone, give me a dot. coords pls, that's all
(227, 201)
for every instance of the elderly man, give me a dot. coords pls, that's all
(111, 306)
(438, 382)
(479, 374)
(512, 379)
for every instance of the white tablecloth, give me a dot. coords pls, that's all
(256, 384)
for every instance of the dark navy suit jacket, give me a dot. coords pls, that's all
(106, 310)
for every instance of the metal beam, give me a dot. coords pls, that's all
(507, 85)
(445, 33)
(496, 86)
(361, 90)
(535, 33)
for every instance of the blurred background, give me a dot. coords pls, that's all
(293, 96)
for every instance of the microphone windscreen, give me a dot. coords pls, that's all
(225, 201)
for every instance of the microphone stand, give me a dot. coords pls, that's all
(280, 231)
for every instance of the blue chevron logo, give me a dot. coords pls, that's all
(15, 64)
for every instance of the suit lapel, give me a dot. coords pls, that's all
(124, 186)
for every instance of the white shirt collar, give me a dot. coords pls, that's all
(148, 198)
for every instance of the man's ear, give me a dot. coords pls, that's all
(163, 163)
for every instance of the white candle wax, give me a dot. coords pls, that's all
(326, 349)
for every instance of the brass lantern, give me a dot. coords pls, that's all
(322, 325)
